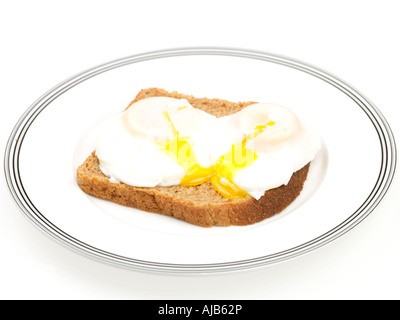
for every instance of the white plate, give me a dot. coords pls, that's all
(346, 182)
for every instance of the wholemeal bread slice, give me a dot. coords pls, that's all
(200, 205)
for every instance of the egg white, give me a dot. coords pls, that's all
(134, 161)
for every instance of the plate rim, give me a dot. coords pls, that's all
(16, 188)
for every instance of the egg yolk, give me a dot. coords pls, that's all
(182, 152)
(220, 174)
(228, 164)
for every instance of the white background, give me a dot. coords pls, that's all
(45, 42)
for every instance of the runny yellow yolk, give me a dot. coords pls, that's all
(220, 174)
(182, 152)
(228, 164)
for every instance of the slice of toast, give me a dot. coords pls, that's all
(200, 205)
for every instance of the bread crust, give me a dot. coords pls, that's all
(199, 205)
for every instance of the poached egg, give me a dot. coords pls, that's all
(163, 141)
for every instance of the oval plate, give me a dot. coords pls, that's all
(346, 181)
